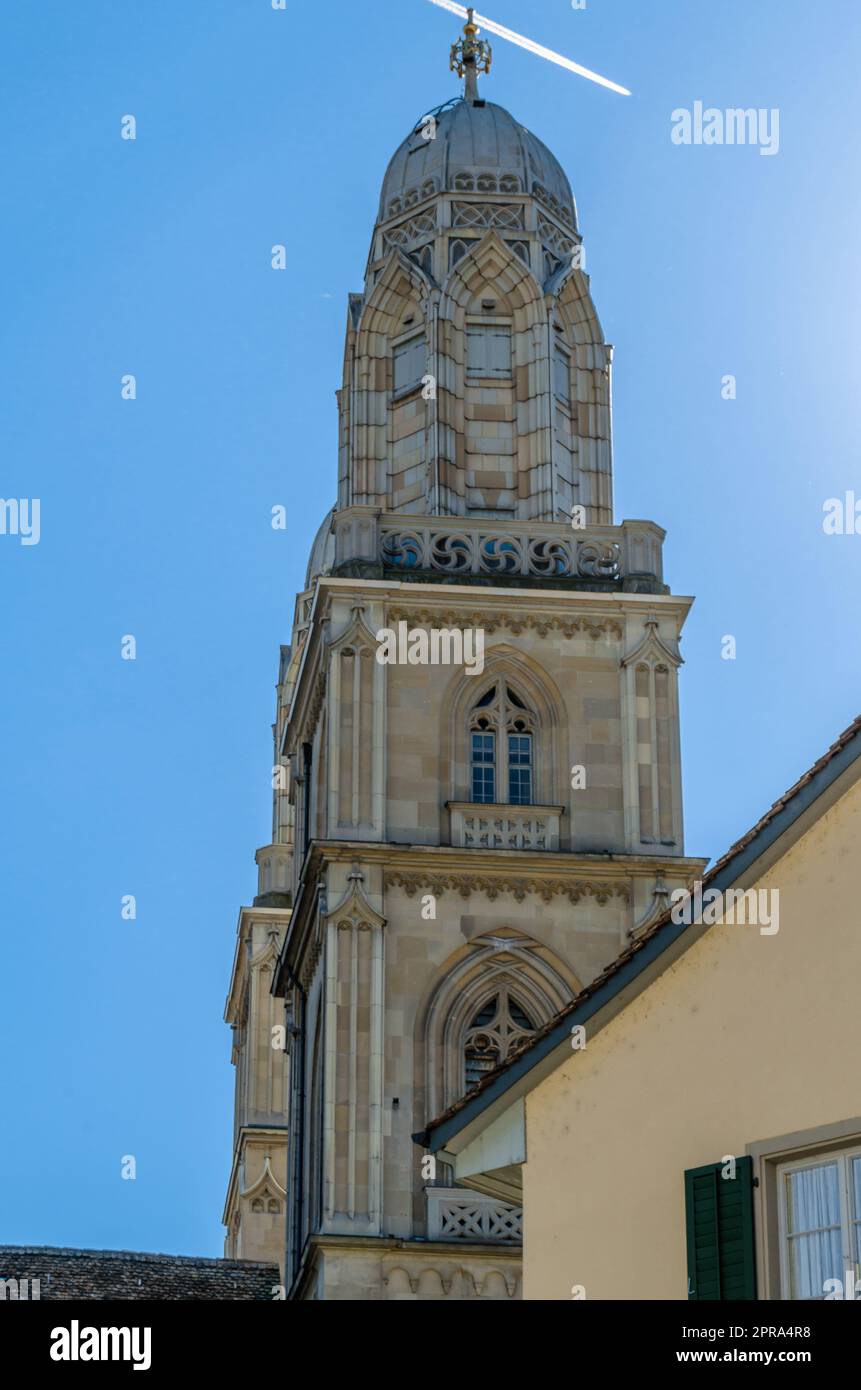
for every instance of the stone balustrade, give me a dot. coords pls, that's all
(456, 1214)
(504, 827)
(462, 547)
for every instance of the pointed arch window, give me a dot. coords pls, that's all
(495, 1030)
(502, 749)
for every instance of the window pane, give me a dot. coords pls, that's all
(520, 769)
(520, 750)
(410, 364)
(483, 768)
(812, 1198)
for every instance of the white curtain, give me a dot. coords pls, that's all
(813, 1224)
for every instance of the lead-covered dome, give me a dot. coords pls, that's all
(476, 147)
(322, 556)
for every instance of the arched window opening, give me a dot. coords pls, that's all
(500, 1024)
(502, 749)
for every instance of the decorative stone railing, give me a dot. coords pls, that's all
(482, 551)
(458, 546)
(504, 827)
(455, 1214)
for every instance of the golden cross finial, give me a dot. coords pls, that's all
(471, 55)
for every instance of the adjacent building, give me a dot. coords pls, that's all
(690, 1125)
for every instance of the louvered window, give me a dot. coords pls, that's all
(488, 350)
(410, 364)
(562, 374)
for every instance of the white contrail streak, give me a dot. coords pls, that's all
(531, 47)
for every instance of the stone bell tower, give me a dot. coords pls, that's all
(470, 842)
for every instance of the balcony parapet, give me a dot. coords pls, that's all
(456, 1214)
(373, 544)
(486, 826)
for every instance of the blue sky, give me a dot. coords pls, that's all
(152, 257)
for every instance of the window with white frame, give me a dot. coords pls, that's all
(483, 766)
(410, 364)
(501, 734)
(520, 767)
(488, 350)
(819, 1206)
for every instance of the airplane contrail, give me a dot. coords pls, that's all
(493, 28)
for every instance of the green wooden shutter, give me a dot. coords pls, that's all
(719, 1210)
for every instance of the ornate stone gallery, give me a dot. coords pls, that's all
(453, 855)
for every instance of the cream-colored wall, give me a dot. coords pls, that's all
(745, 1038)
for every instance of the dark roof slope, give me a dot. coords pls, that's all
(129, 1275)
(786, 809)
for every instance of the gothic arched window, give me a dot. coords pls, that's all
(500, 1024)
(502, 749)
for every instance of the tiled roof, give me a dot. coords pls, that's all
(129, 1275)
(529, 1044)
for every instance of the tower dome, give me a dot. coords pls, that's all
(476, 376)
(322, 555)
(466, 147)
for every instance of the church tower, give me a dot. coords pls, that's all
(478, 728)
(255, 1208)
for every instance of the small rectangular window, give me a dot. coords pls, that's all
(410, 364)
(488, 350)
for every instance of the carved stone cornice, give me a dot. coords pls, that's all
(566, 624)
(575, 889)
